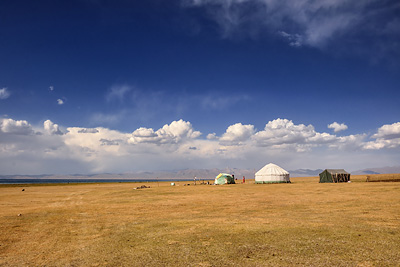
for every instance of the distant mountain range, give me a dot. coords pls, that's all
(305, 172)
(382, 170)
(191, 173)
(176, 174)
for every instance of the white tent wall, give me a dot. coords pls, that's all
(272, 173)
(260, 179)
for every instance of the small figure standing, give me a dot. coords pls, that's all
(244, 179)
(195, 180)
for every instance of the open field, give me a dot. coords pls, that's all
(303, 223)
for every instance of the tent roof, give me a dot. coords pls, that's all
(336, 171)
(223, 174)
(272, 169)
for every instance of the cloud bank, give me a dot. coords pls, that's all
(26, 149)
(388, 136)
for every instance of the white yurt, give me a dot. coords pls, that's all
(272, 173)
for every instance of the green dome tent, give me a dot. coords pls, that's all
(224, 178)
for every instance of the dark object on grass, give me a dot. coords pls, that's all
(141, 187)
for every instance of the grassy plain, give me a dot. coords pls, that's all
(303, 223)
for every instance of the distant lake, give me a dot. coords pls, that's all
(71, 181)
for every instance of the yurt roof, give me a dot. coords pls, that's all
(272, 169)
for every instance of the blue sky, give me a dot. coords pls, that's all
(91, 86)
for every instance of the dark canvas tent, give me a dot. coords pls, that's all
(334, 176)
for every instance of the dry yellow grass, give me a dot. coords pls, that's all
(303, 223)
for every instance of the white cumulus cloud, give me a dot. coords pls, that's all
(388, 131)
(20, 127)
(175, 132)
(388, 136)
(60, 101)
(51, 128)
(145, 135)
(237, 134)
(284, 131)
(180, 129)
(337, 127)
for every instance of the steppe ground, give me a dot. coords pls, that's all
(303, 223)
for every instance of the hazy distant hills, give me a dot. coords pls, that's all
(177, 174)
(382, 170)
(191, 173)
(305, 172)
